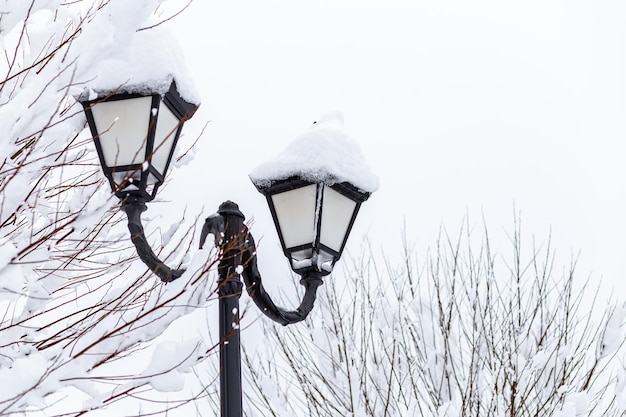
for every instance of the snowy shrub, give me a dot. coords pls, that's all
(79, 314)
(467, 333)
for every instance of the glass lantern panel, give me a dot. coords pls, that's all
(166, 128)
(128, 178)
(302, 255)
(337, 211)
(295, 211)
(152, 179)
(325, 261)
(123, 128)
(301, 259)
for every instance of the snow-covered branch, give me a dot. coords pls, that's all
(76, 308)
(466, 333)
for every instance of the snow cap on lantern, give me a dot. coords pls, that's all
(314, 190)
(145, 63)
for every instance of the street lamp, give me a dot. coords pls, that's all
(135, 136)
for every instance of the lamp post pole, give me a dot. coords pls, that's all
(230, 287)
(230, 348)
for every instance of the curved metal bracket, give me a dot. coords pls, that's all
(133, 207)
(254, 286)
(239, 250)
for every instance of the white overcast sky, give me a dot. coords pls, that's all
(461, 107)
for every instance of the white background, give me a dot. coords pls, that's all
(464, 110)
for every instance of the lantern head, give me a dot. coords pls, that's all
(313, 220)
(135, 136)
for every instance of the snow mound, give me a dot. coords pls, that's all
(147, 63)
(324, 153)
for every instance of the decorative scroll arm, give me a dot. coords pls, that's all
(229, 215)
(133, 207)
(254, 286)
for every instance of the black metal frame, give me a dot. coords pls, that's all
(176, 104)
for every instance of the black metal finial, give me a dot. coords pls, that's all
(230, 208)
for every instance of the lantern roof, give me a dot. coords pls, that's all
(324, 153)
(148, 64)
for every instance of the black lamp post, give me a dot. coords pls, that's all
(135, 136)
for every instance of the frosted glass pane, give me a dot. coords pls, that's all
(301, 255)
(295, 210)
(123, 126)
(166, 128)
(151, 180)
(325, 261)
(337, 211)
(301, 259)
(128, 178)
